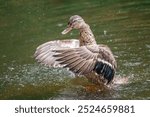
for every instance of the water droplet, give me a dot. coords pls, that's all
(60, 25)
(11, 68)
(105, 32)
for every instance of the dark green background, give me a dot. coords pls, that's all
(25, 24)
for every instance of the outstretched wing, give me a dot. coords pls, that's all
(89, 58)
(79, 60)
(44, 53)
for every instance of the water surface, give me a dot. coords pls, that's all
(26, 24)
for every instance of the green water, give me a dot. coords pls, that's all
(25, 24)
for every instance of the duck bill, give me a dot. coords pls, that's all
(68, 29)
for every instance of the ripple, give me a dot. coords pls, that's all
(131, 64)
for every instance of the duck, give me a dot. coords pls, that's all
(83, 56)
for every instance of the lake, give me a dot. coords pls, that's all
(123, 25)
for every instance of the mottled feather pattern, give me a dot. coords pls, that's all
(106, 55)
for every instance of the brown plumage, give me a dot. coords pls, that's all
(83, 56)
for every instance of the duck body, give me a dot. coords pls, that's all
(83, 56)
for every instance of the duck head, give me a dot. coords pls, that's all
(75, 22)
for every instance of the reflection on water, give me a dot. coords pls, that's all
(123, 25)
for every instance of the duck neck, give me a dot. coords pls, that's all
(86, 35)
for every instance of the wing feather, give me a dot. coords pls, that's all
(45, 52)
(74, 66)
(79, 60)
